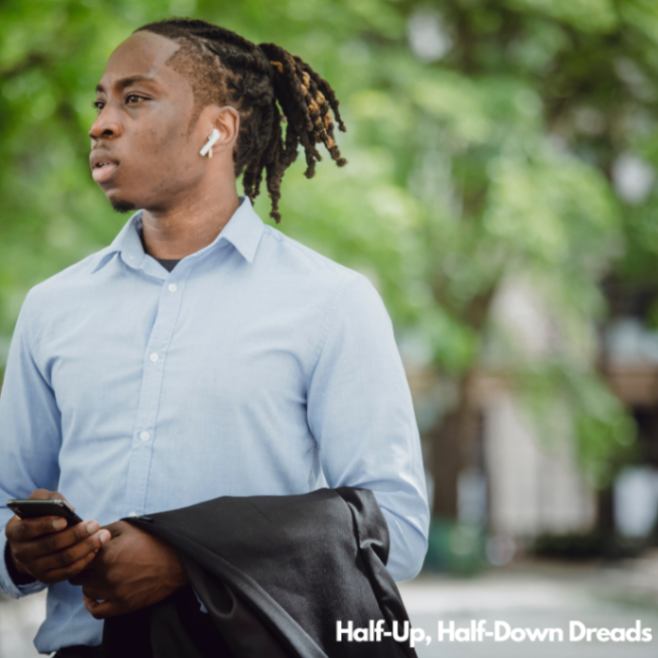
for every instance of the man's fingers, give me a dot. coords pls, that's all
(103, 609)
(95, 573)
(18, 529)
(95, 592)
(62, 559)
(22, 530)
(55, 575)
(55, 541)
(78, 534)
(44, 494)
(57, 555)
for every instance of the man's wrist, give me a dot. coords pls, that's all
(18, 577)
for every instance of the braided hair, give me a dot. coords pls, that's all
(260, 81)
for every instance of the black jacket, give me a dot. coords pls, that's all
(275, 573)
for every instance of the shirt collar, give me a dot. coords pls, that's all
(243, 230)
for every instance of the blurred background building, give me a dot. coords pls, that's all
(528, 492)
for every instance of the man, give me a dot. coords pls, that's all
(203, 353)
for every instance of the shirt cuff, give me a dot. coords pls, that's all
(407, 546)
(7, 585)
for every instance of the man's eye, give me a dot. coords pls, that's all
(100, 104)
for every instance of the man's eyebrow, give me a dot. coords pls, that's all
(125, 82)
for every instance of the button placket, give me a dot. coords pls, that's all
(147, 409)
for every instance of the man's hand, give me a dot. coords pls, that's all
(132, 571)
(42, 549)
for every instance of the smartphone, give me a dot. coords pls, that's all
(29, 508)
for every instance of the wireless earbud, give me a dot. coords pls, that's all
(207, 147)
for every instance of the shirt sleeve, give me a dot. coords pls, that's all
(361, 413)
(29, 436)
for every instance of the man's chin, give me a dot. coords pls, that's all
(122, 205)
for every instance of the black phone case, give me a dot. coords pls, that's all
(32, 508)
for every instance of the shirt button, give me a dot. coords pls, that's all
(144, 435)
(172, 287)
(154, 356)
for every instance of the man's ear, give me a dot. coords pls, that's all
(227, 120)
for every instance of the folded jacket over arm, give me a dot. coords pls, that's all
(276, 574)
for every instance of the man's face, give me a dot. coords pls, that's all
(142, 126)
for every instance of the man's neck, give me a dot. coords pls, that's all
(176, 233)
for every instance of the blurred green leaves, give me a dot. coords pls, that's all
(482, 155)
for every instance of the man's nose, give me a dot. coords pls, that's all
(106, 125)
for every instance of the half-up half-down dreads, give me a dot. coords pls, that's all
(268, 86)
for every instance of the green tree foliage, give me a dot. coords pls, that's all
(482, 142)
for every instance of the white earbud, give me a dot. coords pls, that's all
(207, 147)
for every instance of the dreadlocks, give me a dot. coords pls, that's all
(223, 67)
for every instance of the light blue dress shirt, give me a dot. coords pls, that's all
(256, 366)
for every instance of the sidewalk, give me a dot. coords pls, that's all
(541, 595)
(634, 580)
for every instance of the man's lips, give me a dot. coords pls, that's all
(103, 165)
(104, 171)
